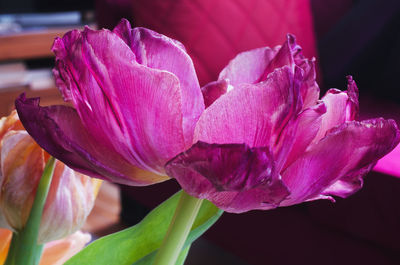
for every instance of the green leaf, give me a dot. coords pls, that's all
(138, 244)
(149, 259)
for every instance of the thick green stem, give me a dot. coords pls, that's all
(25, 249)
(185, 214)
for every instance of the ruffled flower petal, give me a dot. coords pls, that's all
(62, 73)
(254, 66)
(234, 177)
(340, 107)
(290, 54)
(345, 154)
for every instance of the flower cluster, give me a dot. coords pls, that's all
(257, 138)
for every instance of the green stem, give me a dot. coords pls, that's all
(12, 250)
(27, 250)
(185, 214)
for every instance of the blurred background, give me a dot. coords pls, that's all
(357, 37)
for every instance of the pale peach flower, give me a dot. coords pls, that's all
(71, 195)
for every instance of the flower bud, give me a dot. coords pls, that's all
(71, 195)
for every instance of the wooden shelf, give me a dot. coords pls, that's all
(29, 45)
(50, 96)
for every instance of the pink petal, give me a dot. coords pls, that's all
(160, 52)
(213, 90)
(290, 54)
(58, 129)
(251, 114)
(309, 89)
(309, 123)
(346, 153)
(61, 49)
(285, 56)
(124, 31)
(349, 184)
(248, 67)
(234, 177)
(255, 65)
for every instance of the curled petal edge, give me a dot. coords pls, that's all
(235, 177)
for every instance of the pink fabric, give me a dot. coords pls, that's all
(390, 164)
(214, 31)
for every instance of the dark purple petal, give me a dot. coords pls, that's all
(59, 131)
(213, 90)
(347, 152)
(234, 177)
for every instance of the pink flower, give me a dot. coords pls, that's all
(265, 139)
(137, 100)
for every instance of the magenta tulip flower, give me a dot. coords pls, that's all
(136, 97)
(265, 140)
